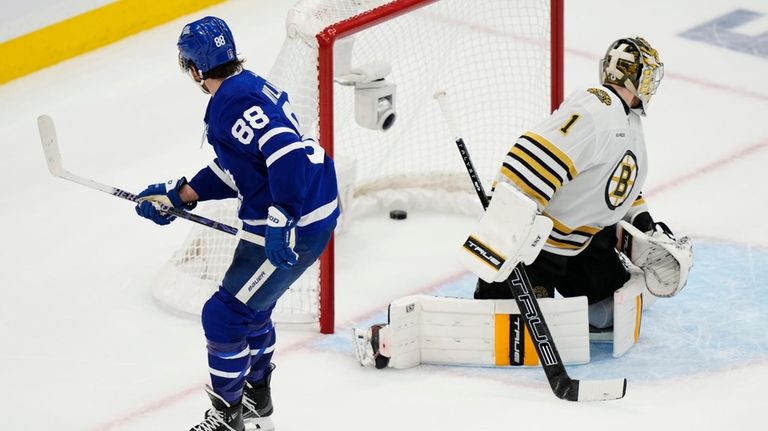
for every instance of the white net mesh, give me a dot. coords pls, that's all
(196, 269)
(491, 57)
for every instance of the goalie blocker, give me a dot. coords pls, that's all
(509, 232)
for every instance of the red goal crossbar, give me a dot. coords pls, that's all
(326, 39)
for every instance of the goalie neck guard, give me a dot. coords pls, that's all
(632, 63)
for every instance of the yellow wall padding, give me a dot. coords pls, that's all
(88, 31)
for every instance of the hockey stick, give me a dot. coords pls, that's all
(562, 385)
(55, 166)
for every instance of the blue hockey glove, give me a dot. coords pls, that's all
(166, 193)
(279, 238)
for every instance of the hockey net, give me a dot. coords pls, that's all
(500, 62)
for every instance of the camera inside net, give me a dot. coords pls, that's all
(374, 95)
(375, 104)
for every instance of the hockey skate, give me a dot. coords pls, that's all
(369, 345)
(222, 417)
(257, 404)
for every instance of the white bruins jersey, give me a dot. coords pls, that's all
(584, 166)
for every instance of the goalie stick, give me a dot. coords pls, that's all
(55, 166)
(563, 386)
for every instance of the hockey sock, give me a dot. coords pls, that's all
(227, 323)
(228, 364)
(262, 344)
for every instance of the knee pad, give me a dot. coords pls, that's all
(225, 318)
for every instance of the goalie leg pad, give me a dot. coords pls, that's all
(453, 331)
(628, 312)
(510, 231)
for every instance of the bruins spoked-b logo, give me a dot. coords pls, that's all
(621, 181)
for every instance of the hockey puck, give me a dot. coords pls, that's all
(398, 215)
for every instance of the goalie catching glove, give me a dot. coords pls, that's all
(509, 232)
(664, 259)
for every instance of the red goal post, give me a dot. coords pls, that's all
(501, 60)
(326, 40)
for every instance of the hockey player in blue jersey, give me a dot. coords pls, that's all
(288, 205)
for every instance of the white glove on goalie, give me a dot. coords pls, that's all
(510, 231)
(665, 260)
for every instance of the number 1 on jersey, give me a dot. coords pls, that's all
(569, 123)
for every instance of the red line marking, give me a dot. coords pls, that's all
(739, 91)
(731, 242)
(147, 409)
(430, 288)
(181, 395)
(751, 94)
(713, 166)
(197, 389)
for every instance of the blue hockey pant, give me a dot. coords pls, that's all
(237, 318)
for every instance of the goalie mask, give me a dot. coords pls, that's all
(633, 64)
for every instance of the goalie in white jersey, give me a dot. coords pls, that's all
(585, 167)
(567, 203)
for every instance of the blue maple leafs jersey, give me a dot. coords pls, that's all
(262, 158)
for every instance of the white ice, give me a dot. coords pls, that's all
(84, 347)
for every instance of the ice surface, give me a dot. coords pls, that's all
(85, 348)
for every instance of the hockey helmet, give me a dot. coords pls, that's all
(206, 43)
(632, 63)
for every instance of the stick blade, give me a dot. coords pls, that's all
(602, 390)
(445, 107)
(50, 144)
